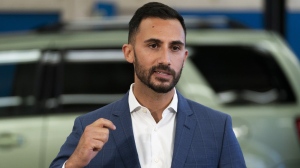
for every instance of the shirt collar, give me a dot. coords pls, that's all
(134, 104)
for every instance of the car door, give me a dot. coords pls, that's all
(20, 121)
(86, 80)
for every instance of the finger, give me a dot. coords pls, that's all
(102, 122)
(98, 145)
(101, 135)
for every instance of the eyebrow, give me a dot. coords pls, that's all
(154, 40)
(177, 42)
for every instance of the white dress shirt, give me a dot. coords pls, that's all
(154, 141)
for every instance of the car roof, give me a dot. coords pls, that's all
(62, 40)
(116, 38)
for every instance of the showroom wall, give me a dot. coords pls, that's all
(29, 14)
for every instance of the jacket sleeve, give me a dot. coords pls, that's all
(231, 154)
(69, 146)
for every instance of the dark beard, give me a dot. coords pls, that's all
(145, 76)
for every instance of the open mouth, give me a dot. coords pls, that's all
(162, 72)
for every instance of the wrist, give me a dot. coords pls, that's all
(71, 164)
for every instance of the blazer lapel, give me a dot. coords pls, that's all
(185, 127)
(123, 135)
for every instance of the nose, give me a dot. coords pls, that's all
(165, 57)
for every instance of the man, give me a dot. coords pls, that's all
(153, 125)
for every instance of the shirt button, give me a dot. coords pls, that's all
(155, 129)
(144, 110)
(156, 160)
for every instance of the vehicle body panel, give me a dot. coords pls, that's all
(266, 132)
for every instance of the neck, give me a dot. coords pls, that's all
(155, 102)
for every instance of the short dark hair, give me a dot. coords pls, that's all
(152, 9)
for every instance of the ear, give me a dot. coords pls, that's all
(128, 52)
(186, 53)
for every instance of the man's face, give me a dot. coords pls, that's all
(159, 53)
(164, 84)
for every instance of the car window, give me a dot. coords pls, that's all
(242, 75)
(17, 80)
(94, 78)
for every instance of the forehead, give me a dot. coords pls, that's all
(164, 29)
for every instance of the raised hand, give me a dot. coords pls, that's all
(91, 142)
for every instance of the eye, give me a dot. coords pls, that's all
(175, 48)
(154, 45)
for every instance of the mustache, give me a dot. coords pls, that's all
(162, 67)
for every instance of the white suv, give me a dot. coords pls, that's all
(46, 80)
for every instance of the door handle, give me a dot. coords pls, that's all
(10, 140)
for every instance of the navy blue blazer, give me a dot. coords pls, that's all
(204, 138)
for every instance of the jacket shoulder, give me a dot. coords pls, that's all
(203, 111)
(104, 112)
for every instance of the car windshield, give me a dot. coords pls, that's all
(242, 74)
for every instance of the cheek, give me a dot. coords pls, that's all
(178, 62)
(146, 61)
